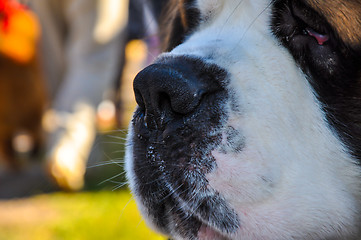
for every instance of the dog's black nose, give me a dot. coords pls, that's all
(177, 85)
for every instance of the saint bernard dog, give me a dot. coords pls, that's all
(249, 125)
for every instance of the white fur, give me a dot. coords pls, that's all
(209, 8)
(294, 179)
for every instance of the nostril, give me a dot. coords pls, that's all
(139, 98)
(161, 88)
(164, 102)
(176, 86)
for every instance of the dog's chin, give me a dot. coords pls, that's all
(197, 217)
(207, 233)
(181, 203)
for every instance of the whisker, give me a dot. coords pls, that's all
(119, 151)
(119, 186)
(171, 192)
(230, 15)
(118, 163)
(116, 143)
(111, 178)
(117, 182)
(117, 137)
(252, 23)
(122, 131)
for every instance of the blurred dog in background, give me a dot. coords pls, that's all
(22, 89)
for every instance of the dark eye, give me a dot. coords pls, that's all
(308, 23)
(307, 35)
(320, 38)
(314, 44)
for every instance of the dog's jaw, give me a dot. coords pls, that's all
(286, 174)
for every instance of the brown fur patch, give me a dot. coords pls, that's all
(344, 16)
(183, 13)
(178, 19)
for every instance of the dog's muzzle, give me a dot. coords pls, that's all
(175, 128)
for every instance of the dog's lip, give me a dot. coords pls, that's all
(219, 226)
(205, 232)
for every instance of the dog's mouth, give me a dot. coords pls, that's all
(191, 211)
(170, 166)
(205, 232)
(194, 214)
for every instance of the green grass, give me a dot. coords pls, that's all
(74, 216)
(98, 213)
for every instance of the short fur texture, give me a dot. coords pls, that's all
(248, 127)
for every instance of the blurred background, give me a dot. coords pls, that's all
(66, 99)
